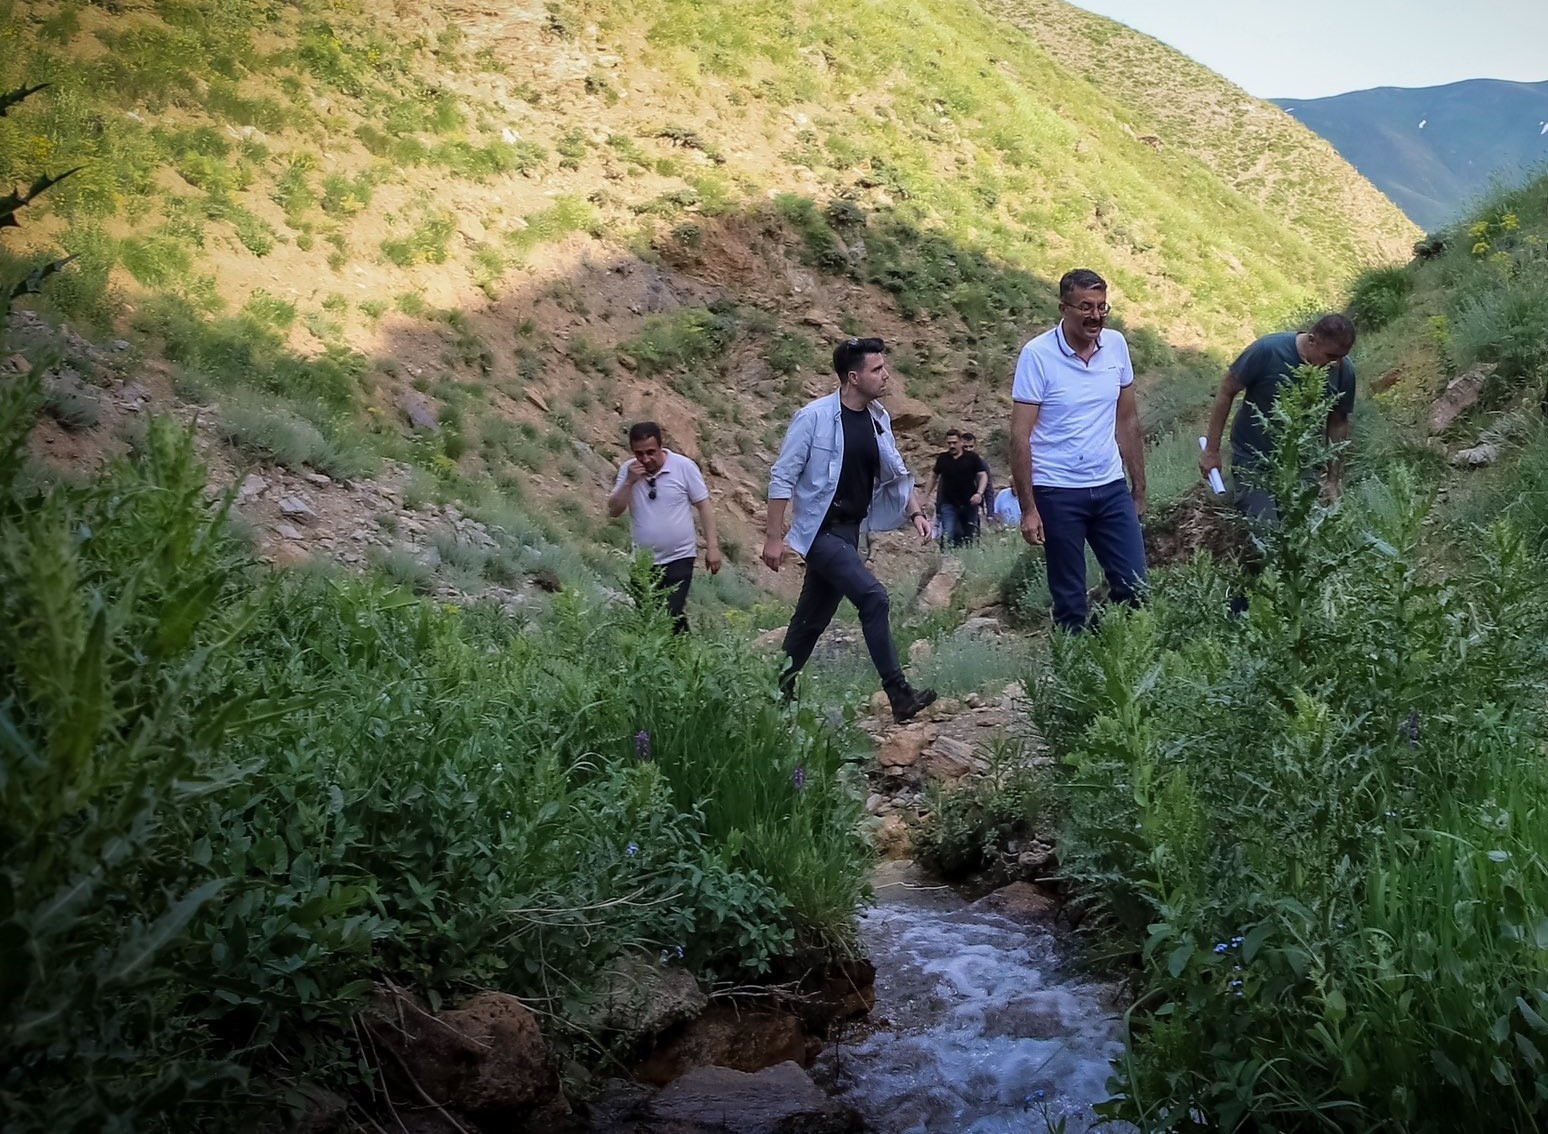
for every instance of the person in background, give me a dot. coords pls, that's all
(1258, 373)
(986, 504)
(1075, 432)
(661, 490)
(1007, 508)
(838, 471)
(961, 480)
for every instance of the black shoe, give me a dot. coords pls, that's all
(908, 702)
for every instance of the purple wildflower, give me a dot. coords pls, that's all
(642, 744)
(799, 778)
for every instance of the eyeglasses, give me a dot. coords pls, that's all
(650, 482)
(1089, 308)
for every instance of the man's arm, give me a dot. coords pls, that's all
(623, 492)
(981, 482)
(774, 534)
(935, 473)
(1131, 445)
(1337, 434)
(1023, 419)
(1230, 386)
(916, 515)
(706, 512)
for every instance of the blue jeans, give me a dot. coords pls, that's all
(959, 523)
(1105, 518)
(835, 571)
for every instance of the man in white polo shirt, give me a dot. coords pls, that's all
(1075, 431)
(660, 490)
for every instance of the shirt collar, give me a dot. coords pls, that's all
(1064, 346)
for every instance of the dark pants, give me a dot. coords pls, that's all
(673, 580)
(1103, 517)
(835, 571)
(959, 523)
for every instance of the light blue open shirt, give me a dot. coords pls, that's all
(807, 471)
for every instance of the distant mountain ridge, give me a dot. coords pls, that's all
(1434, 150)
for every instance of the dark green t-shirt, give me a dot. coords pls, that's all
(1261, 369)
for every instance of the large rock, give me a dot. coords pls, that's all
(909, 415)
(745, 1039)
(780, 1100)
(938, 589)
(1023, 902)
(644, 999)
(904, 746)
(485, 1060)
(949, 759)
(418, 411)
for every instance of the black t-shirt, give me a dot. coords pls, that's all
(859, 470)
(959, 477)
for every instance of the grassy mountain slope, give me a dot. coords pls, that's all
(544, 222)
(1435, 150)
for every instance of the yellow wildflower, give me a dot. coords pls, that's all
(1481, 248)
(1509, 222)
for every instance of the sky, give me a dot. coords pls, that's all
(1311, 48)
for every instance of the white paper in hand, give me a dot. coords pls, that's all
(1215, 483)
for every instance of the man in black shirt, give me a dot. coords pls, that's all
(985, 505)
(962, 479)
(839, 470)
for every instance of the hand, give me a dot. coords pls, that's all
(773, 552)
(637, 472)
(712, 559)
(1209, 458)
(922, 526)
(1032, 527)
(976, 498)
(1139, 502)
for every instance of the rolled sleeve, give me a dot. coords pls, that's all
(792, 457)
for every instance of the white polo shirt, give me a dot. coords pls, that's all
(665, 524)
(1075, 440)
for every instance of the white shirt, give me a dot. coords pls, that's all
(1006, 507)
(665, 524)
(1075, 440)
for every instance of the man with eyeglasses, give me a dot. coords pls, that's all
(838, 472)
(1258, 373)
(1075, 433)
(660, 490)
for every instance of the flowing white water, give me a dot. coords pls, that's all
(975, 1014)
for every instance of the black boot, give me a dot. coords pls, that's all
(908, 702)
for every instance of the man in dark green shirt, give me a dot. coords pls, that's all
(1258, 373)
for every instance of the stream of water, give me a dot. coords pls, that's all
(975, 1014)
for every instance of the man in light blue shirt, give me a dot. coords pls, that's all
(839, 472)
(1075, 431)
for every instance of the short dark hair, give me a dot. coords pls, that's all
(1335, 330)
(953, 433)
(1079, 279)
(847, 355)
(966, 436)
(644, 430)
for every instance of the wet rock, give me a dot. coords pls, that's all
(780, 1100)
(485, 1060)
(1021, 901)
(741, 1038)
(1461, 395)
(644, 999)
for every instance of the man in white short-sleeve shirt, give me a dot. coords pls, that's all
(661, 490)
(1075, 431)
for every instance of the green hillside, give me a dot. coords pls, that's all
(314, 215)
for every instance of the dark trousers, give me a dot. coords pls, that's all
(1103, 517)
(835, 571)
(959, 523)
(673, 580)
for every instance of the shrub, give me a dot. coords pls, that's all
(679, 340)
(1316, 817)
(1379, 296)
